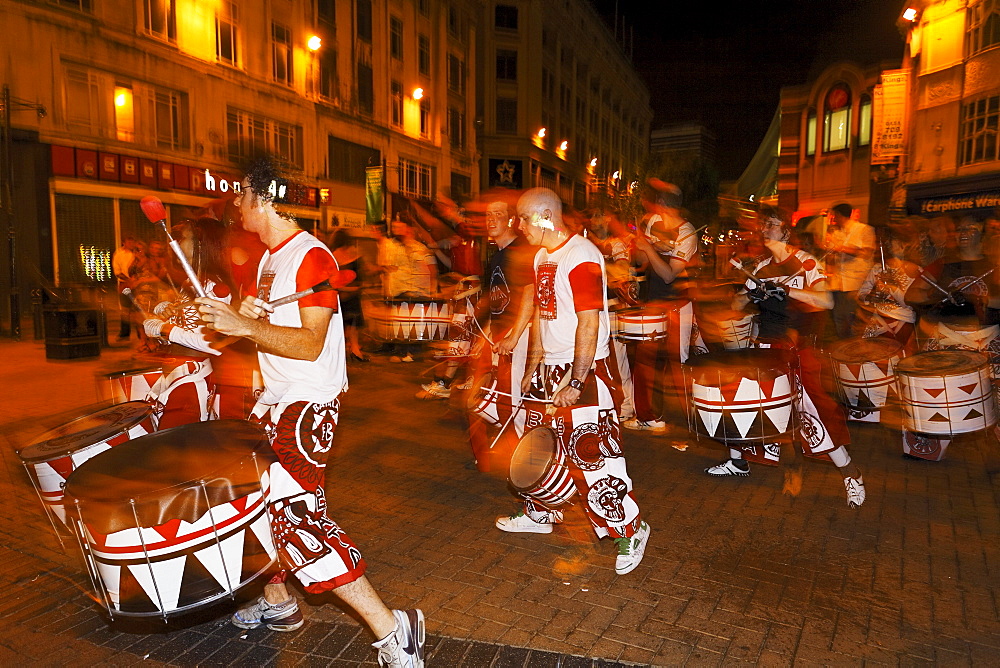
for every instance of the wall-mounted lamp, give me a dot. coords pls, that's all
(418, 93)
(564, 145)
(593, 162)
(314, 43)
(541, 133)
(910, 14)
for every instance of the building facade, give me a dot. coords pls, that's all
(560, 104)
(952, 165)
(117, 99)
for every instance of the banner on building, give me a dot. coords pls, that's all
(373, 194)
(889, 117)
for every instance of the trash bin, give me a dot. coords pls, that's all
(71, 332)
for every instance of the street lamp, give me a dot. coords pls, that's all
(418, 93)
(314, 43)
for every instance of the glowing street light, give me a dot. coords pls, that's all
(418, 93)
(564, 145)
(910, 14)
(593, 162)
(541, 133)
(314, 43)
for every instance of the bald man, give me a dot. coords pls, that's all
(568, 365)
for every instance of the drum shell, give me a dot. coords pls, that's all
(538, 469)
(958, 402)
(131, 384)
(743, 397)
(874, 378)
(641, 324)
(156, 549)
(426, 320)
(484, 403)
(52, 457)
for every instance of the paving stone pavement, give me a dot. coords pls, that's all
(735, 572)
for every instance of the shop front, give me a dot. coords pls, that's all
(977, 196)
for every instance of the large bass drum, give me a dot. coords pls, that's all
(946, 392)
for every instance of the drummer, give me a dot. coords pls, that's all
(665, 244)
(881, 297)
(187, 391)
(568, 361)
(789, 289)
(302, 358)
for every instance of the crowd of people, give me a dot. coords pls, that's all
(561, 331)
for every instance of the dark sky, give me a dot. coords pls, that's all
(724, 65)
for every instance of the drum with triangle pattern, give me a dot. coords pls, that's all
(946, 392)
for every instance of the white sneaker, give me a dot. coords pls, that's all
(728, 467)
(630, 550)
(655, 426)
(855, 491)
(404, 647)
(521, 523)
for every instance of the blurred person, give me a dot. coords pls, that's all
(412, 269)
(882, 295)
(188, 390)
(301, 351)
(568, 362)
(850, 246)
(790, 292)
(991, 237)
(666, 244)
(345, 251)
(122, 264)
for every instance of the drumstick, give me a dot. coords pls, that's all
(802, 269)
(153, 208)
(733, 261)
(342, 278)
(973, 280)
(128, 293)
(935, 285)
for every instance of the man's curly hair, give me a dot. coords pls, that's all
(260, 173)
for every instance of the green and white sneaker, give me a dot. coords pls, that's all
(630, 550)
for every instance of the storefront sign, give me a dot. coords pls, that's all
(504, 173)
(889, 117)
(959, 203)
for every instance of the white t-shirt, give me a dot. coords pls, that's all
(567, 280)
(295, 265)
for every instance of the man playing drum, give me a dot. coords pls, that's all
(790, 292)
(302, 359)
(568, 361)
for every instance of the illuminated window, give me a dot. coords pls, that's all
(424, 55)
(124, 114)
(980, 121)
(160, 19)
(415, 179)
(281, 54)
(811, 133)
(456, 74)
(425, 118)
(396, 38)
(252, 134)
(865, 121)
(506, 65)
(396, 103)
(505, 17)
(983, 30)
(226, 33)
(506, 116)
(837, 118)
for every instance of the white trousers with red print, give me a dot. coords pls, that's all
(590, 434)
(310, 545)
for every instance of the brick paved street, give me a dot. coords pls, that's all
(735, 571)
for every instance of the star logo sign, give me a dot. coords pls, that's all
(505, 171)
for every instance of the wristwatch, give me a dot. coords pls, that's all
(576, 384)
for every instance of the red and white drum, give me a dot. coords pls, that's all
(865, 374)
(483, 402)
(946, 392)
(53, 456)
(738, 333)
(641, 324)
(175, 520)
(461, 333)
(538, 469)
(131, 382)
(417, 320)
(742, 397)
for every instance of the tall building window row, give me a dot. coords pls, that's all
(425, 118)
(251, 134)
(366, 89)
(456, 128)
(364, 20)
(395, 38)
(456, 74)
(424, 55)
(348, 160)
(979, 129)
(506, 65)
(506, 110)
(227, 33)
(281, 54)
(396, 104)
(79, 5)
(983, 26)
(161, 19)
(505, 17)
(415, 179)
(328, 84)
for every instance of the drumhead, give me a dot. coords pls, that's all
(724, 366)
(532, 457)
(640, 313)
(857, 350)
(85, 431)
(941, 363)
(171, 474)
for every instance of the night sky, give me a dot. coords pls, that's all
(724, 65)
